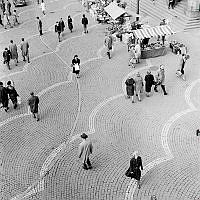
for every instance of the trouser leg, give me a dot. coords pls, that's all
(163, 88)
(89, 163)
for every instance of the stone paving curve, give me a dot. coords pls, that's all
(96, 104)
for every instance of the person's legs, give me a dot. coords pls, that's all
(138, 184)
(163, 88)
(8, 64)
(85, 166)
(28, 57)
(138, 95)
(15, 61)
(132, 98)
(89, 164)
(37, 116)
(59, 36)
(84, 28)
(41, 32)
(108, 53)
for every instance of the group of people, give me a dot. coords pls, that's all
(60, 27)
(9, 92)
(136, 84)
(7, 16)
(11, 53)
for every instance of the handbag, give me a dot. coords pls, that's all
(19, 101)
(77, 67)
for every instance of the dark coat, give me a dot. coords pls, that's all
(58, 28)
(70, 25)
(130, 86)
(4, 96)
(39, 25)
(135, 165)
(12, 93)
(149, 79)
(62, 25)
(75, 62)
(33, 102)
(6, 56)
(84, 21)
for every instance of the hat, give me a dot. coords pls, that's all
(84, 136)
(135, 154)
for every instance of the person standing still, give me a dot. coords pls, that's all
(85, 149)
(43, 7)
(39, 26)
(58, 30)
(85, 23)
(13, 52)
(108, 42)
(33, 102)
(4, 97)
(25, 50)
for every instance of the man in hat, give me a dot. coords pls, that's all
(33, 102)
(160, 80)
(85, 149)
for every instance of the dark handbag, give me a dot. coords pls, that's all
(128, 172)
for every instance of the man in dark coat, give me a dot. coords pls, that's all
(62, 25)
(24, 46)
(6, 57)
(40, 26)
(130, 88)
(85, 23)
(13, 52)
(58, 30)
(4, 97)
(12, 94)
(70, 24)
(33, 102)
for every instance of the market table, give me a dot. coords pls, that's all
(151, 53)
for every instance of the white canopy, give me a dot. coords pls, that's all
(114, 10)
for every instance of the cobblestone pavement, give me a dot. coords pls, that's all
(39, 160)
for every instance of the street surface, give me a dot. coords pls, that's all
(39, 159)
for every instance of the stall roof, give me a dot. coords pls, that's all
(114, 10)
(153, 31)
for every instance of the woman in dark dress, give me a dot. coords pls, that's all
(130, 88)
(12, 94)
(70, 25)
(76, 65)
(149, 81)
(134, 169)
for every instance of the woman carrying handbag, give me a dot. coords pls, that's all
(76, 66)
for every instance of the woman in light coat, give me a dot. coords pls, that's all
(138, 85)
(137, 52)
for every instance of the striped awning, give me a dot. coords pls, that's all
(153, 31)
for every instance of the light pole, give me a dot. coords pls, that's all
(138, 10)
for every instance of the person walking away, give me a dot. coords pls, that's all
(15, 20)
(108, 42)
(39, 26)
(25, 50)
(70, 24)
(43, 7)
(12, 94)
(85, 24)
(13, 52)
(4, 97)
(137, 52)
(130, 88)
(138, 85)
(134, 170)
(62, 25)
(85, 150)
(33, 102)
(58, 30)
(6, 57)
(76, 66)
(160, 80)
(149, 82)
(182, 60)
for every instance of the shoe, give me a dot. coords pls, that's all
(133, 102)
(139, 100)
(165, 94)
(15, 106)
(85, 168)
(155, 90)
(90, 167)
(34, 116)
(28, 61)
(38, 119)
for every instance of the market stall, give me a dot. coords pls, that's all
(154, 49)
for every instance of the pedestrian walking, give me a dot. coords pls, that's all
(160, 80)
(85, 24)
(181, 72)
(12, 94)
(24, 46)
(134, 170)
(138, 85)
(70, 24)
(108, 42)
(76, 66)
(8, 6)
(58, 30)
(4, 97)
(15, 18)
(13, 52)
(132, 57)
(149, 82)
(6, 57)
(6, 20)
(33, 102)
(85, 150)
(137, 52)
(62, 25)
(130, 88)
(43, 7)
(1, 22)
(39, 26)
